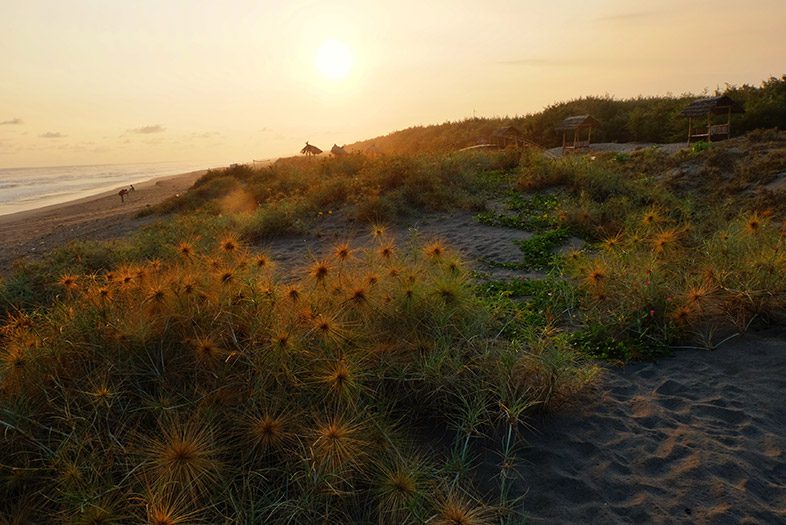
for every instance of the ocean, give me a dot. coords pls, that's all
(29, 188)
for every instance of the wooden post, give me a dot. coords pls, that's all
(728, 123)
(589, 136)
(709, 126)
(690, 129)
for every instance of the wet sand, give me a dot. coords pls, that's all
(98, 217)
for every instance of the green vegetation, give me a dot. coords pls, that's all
(641, 119)
(206, 389)
(667, 261)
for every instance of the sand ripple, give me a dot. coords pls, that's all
(694, 438)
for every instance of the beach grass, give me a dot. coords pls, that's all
(183, 375)
(207, 387)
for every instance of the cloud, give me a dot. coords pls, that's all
(52, 135)
(205, 135)
(543, 62)
(572, 62)
(147, 130)
(12, 122)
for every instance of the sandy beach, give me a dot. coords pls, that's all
(698, 437)
(98, 217)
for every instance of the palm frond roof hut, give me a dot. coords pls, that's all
(577, 124)
(714, 109)
(310, 150)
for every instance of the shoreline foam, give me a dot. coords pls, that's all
(25, 189)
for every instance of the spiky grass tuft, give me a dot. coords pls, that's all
(337, 443)
(184, 455)
(458, 510)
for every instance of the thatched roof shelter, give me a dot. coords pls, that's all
(577, 124)
(338, 151)
(310, 150)
(714, 109)
(508, 136)
(716, 105)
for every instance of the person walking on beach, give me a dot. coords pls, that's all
(123, 194)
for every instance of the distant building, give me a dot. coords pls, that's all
(717, 111)
(578, 124)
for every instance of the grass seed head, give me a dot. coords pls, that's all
(269, 430)
(386, 250)
(612, 243)
(337, 443)
(663, 241)
(262, 261)
(377, 231)
(185, 249)
(293, 292)
(596, 276)
(434, 250)
(69, 282)
(455, 510)
(358, 295)
(754, 223)
(229, 244)
(184, 454)
(226, 276)
(682, 314)
(651, 217)
(206, 351)
(342, 251)
(319, 271)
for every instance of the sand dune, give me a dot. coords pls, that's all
(460, 232)
(694, 438)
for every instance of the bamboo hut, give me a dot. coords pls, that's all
(578, 124)
(717, 111)
(310, 150)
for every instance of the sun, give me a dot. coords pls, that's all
(333, 60)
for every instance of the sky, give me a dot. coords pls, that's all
(116, 81)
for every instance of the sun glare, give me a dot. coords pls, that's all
(333, 59)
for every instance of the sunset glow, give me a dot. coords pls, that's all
(89, 82)
(333, 60)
